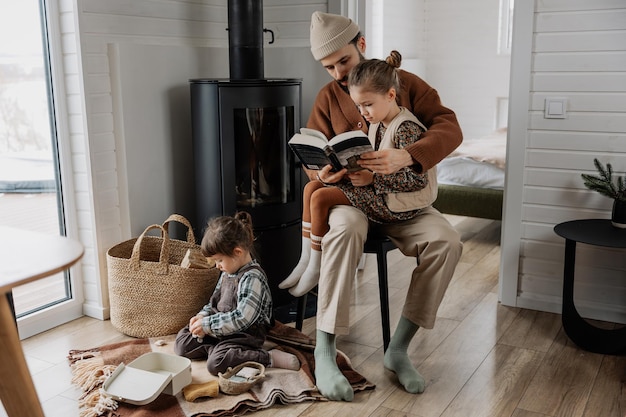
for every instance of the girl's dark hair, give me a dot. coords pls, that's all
(375, 75)
(223, 234)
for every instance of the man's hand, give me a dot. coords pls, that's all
(386, 161)
(361, 178)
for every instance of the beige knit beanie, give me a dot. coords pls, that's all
(329, 33)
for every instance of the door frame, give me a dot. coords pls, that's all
(519, 105)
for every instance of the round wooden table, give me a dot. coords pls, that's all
(597, 232)
(25, 257)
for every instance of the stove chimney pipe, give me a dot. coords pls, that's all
(245, 39)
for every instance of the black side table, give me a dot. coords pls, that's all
(598, 232)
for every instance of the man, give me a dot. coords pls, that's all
(337, 43)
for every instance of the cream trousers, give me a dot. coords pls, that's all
(429, 237)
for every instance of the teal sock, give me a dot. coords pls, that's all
(331, 383)
(397, 357)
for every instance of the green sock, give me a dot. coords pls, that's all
(331, 383)
(397, 357)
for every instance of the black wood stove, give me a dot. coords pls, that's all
(240, 129)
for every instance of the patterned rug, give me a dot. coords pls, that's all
(91, 367)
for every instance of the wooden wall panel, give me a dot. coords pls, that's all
(597, 19)
(579, 54)
(560, 80)
(580, 41)
(584, 61)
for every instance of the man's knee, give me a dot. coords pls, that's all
(348, 220)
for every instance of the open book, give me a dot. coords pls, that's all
(316, 151)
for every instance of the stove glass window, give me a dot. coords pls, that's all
(263, 162)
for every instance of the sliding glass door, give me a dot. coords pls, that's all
(30, 191)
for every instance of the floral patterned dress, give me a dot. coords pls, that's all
(370, 199)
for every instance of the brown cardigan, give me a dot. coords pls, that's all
(444, 133)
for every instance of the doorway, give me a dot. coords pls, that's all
(461, 49)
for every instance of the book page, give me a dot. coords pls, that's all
(349, 146)
(311, 157)
(310, 150)
(316, 141)
(313, 132)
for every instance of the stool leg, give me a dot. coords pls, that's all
(300, 312)
(383, 290)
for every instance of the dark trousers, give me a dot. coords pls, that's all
(225, 352)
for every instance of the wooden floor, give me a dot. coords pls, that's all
(481, 359)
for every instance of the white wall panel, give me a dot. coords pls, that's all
(597, 19)
(612, 40)
(584, 101)
(604, 61)
(579, 54)
(577, 5)
(560, 80)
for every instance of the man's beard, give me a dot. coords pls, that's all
(344, 87)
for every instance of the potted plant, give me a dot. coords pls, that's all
(614, 188)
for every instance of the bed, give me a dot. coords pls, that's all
(471, 179)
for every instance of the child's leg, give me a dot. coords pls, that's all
(188, 346)
(236, 350)
(300, 267)
(307, 194)
(321, 203)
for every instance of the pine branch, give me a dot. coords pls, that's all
(604, 183)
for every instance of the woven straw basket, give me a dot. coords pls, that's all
(150, 293)
(238, 385)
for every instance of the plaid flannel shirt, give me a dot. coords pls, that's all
(254, 305)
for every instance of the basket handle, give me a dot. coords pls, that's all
(232, 371)
(164, 256)
(180, 219)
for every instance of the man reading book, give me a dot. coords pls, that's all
(337, 43)
(384, 198)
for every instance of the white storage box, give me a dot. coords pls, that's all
(141, 381)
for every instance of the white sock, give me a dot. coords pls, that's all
(311, 275)
(297, 272)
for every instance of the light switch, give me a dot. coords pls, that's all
(555, 108)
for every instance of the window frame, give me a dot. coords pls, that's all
(505, 33)
(64, 311)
